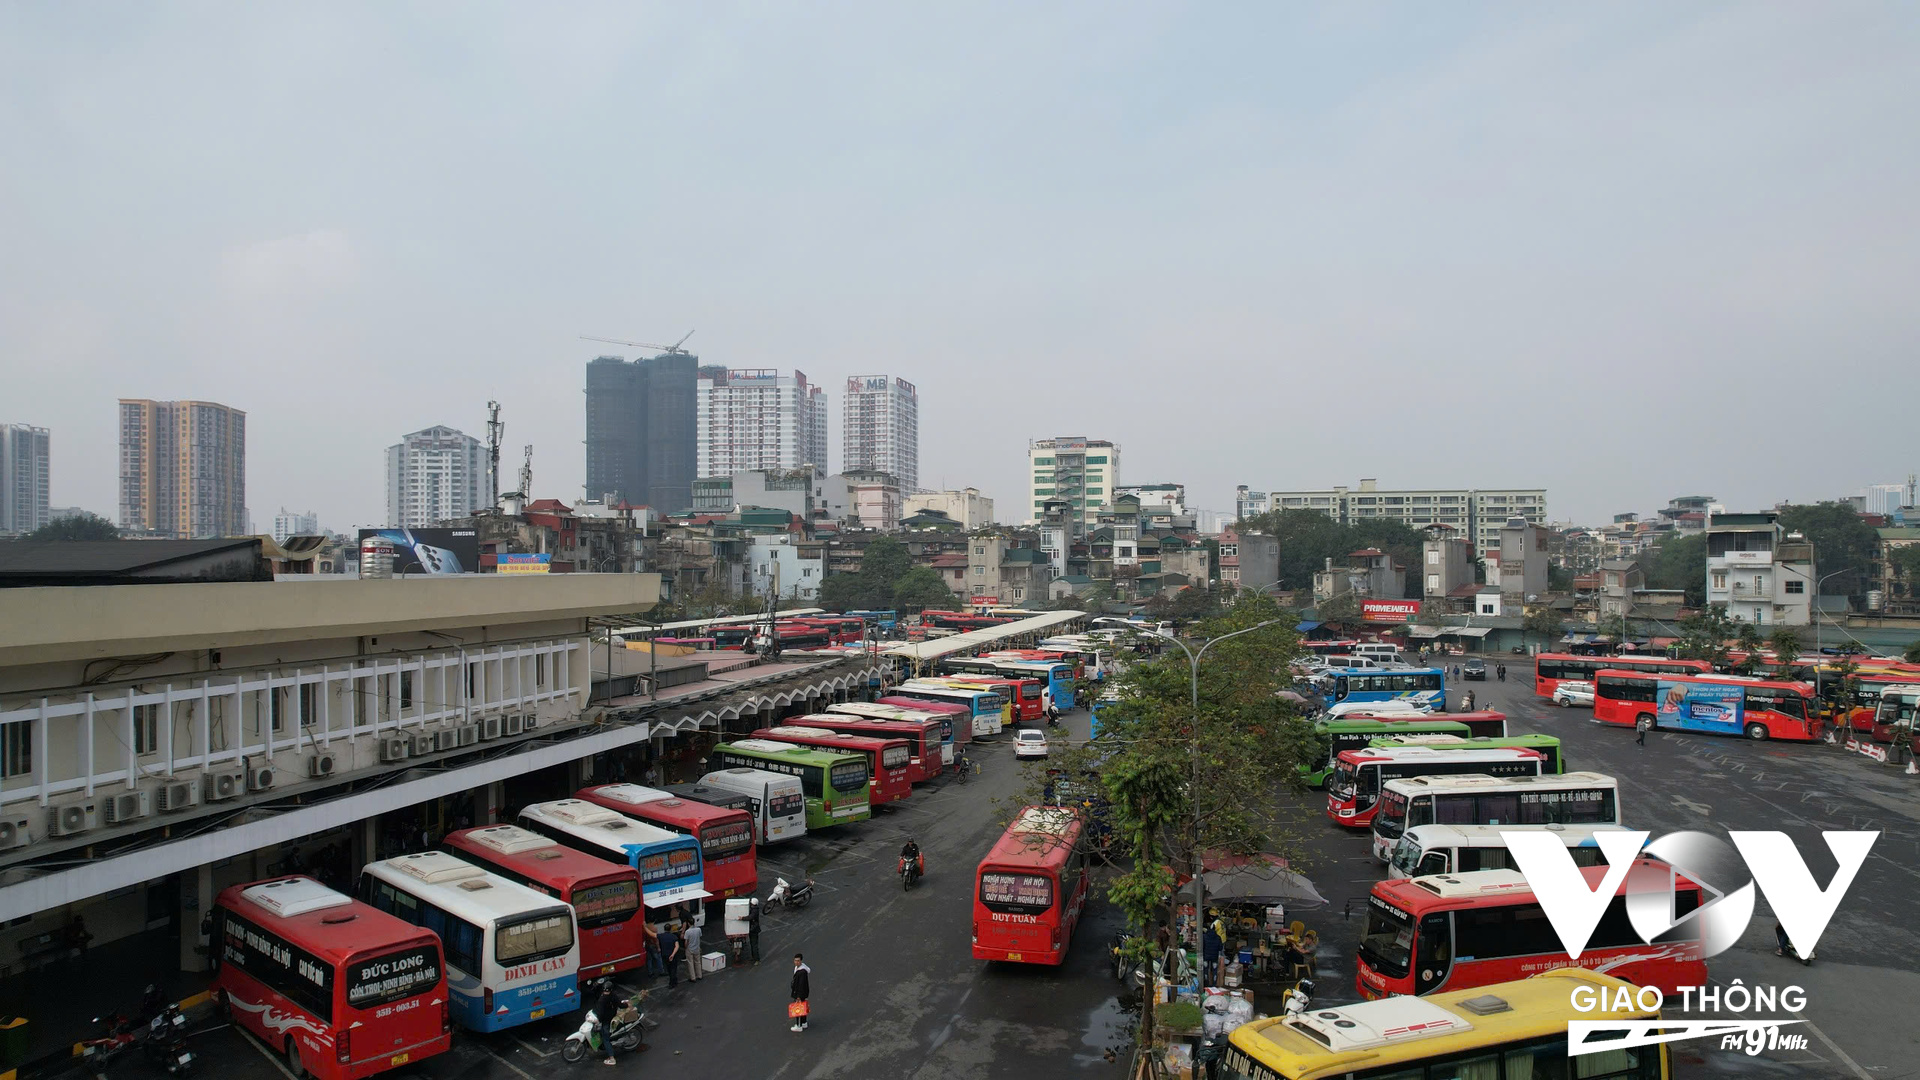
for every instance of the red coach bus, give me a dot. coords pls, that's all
(322, 977)
(1481, 723)
(888, 760)
(1458, 931)
(1031, 888)
(956, 720)
(924, 761)
(1552, 669)
(605, 895)
(1763, 709)
(1029, 705)
(725, 835)
(1359, 776)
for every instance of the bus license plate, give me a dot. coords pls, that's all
(1013, 956)
(398, 1060)
(536, 1014)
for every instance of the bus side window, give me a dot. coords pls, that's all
(1433, 862)
(1340, 688)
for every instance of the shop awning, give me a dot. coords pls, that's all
(1425, 631)
(1470, 631)
(1307, 627)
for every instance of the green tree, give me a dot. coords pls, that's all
(1912, 655)
(1786, 648)
(81, 526)
(1704, 634)
(920, 588)
(1679, 562)
(846, 592)
(1544, 621)
(1344, 608)
(885, 561)
(1842, 540)
(1749, 643)
(1309, 538)
(1903, 563)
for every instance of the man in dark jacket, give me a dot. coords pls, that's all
(753, 928)
(671, 953)
(800, 989)
(604, 1010)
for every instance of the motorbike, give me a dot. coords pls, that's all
(119, 1035)
(788, 896)
(910, 871)
(166, 1041)
(628, 1025)
(1298, 999)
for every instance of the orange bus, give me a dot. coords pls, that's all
(1030, 890)
(1709, 704)
(888, 760)
(1455, 931)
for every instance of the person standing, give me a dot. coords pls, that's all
(652, 933)
(801, 988)
(670, 953)
(693, 951)
(753, 929)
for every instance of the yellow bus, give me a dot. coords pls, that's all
(1505, 1031)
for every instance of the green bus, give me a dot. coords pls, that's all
(835, 785)
(1333, 736)
(1548, 745)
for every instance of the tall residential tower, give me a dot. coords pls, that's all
(757, 418)
(1080, 471)
(640, 430)
(880, 428)
(23, 478)
(183, 469)
(435, 474)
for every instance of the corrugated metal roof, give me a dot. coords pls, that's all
(976, 639)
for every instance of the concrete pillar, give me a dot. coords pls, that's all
(196, 900)
(495, 807)
(579, 773)
(366, 842)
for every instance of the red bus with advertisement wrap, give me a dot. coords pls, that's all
(1457, 931)
(1031, 889)
(1029, 706)
(605, 896)
(924, 761)
(725, 835)
(1552, 669)
(1756, 708)
(342, 990)
(888, 760)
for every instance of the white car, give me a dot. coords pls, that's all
(1573, 692)
(1029, 743)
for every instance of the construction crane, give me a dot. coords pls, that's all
(670, 350)
(496, 430)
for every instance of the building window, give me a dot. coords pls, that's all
(277, 700)
(1720, 579)
(979, 571)
(16, 748)
(1433, 557)
(1797, 587)
(1433, 583)
(406, 689)
(1486, 609)
(1228, 551)
(146, 729)
(1101, 460)
(1759, 583)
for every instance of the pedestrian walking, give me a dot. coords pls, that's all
(670, 954)
(693, 951)
(753, 929)
(798, 1007)
(1640, 735)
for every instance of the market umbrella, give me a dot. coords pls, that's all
(1259, 879)
(1288, 695)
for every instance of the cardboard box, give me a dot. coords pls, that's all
(713, 961)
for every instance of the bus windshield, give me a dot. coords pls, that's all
(383, 980)
(533, 937)
(612, 902)
(1392, 818)
(849, 775)
(1016, 894)
(1387, 944)
(786, 804)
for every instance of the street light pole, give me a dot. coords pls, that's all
(1193, 795)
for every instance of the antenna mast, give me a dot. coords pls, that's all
(496, 430)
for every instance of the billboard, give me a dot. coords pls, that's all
(523, 564)
(1718, 708)
(1389, 611)
(430, 551)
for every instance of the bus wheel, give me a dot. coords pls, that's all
(1644, 723)
(1757, 732)
(294, 1064)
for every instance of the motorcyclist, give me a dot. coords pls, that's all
(604, 1010)
(911, 850)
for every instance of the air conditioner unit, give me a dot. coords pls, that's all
(532, 722)
(469, 734)
(178, 796)
(259, 777)
(490, 728)
(447, 739)
(73, 820)
(131, 806)
(516, 725)
(320, 765)
(219, 787)
(16, 832)
(425, 744)
(394, 749)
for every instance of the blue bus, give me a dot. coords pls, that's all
(1055, 675)
(1425, 687)
(1104, 701)
(883, 620)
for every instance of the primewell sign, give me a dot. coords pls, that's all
(1389, 611)
(1648, 873)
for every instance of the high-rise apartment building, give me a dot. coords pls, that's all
(286, 523)
(1080, 471)
(880, 428)
(640, 430)
(435, 474)
(183, 468)
(757, 418)
(1479, 513)
(23, 478)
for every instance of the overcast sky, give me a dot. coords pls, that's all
(1620, 251)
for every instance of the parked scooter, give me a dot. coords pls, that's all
(166, 1041)
(1298, 999)
(117, 1035)
(788, 896)
(628, 1025)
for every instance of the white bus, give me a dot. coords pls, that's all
(512, 953)
(1458, 849)
(1574, 798)
(990, 709)
(776, 801)
(671, 870)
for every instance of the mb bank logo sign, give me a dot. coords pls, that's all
(1726, 876)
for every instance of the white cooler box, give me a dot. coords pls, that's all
(737, 917)
(713, 961)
